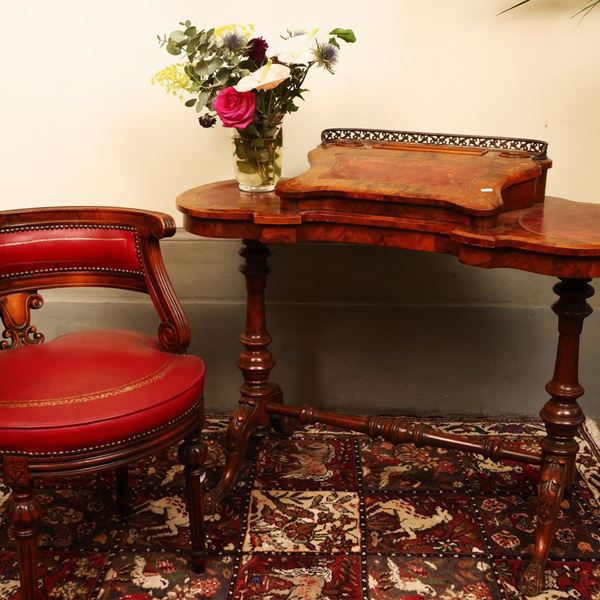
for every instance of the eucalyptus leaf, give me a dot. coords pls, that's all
(222, 75)
(251, 130)
(177, 36)
(239, 151)
(246, 168)
(191, 102)
(201, 69)
(192, 46)
(173, 49)
(213, 64)
(202, 100)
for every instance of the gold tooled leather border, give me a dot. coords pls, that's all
(159, 374)
(136, 238)
(62, 239)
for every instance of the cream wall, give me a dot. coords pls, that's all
(80, 122)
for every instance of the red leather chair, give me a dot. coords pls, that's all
(91, 400)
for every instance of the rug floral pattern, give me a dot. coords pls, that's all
(320, 515)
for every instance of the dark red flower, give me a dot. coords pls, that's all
(257, 49)
(207, 121)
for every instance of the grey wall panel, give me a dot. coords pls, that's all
(361, 329)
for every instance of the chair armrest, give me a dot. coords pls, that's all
(147, 223)
(92, 246)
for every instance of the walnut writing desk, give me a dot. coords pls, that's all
(478, 198)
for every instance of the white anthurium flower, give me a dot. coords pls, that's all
(265, 78)
(298, 49)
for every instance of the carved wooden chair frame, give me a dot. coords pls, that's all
(19, 295)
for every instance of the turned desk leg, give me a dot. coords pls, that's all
(562, 416)
(256, 361)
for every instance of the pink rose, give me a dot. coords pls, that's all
(235, 109)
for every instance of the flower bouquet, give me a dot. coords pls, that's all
(249, 84)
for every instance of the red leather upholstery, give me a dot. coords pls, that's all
(52, 249)
(91, 388)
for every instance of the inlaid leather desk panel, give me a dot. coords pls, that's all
(502, 221)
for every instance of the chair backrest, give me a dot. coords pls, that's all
(84, 246)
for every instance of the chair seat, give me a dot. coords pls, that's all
(91, 388)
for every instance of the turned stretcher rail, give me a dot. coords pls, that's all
(393, 430)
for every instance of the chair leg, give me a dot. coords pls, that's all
(192, 454)
(23, 512)
(123, 495)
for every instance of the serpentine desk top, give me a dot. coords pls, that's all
(557, 237)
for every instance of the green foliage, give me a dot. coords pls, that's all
(209, 65)
(347, 35)
(583, 11)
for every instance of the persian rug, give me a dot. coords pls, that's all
(322, 514)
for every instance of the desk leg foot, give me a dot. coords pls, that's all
(242, 425)
(562, 416)
(551, 491)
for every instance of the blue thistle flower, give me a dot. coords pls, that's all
(234, 41)
(326, 55)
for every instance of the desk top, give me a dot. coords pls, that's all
(558, 237)
(480, 182)
(450, 177)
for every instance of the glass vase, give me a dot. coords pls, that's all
(257, 160)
